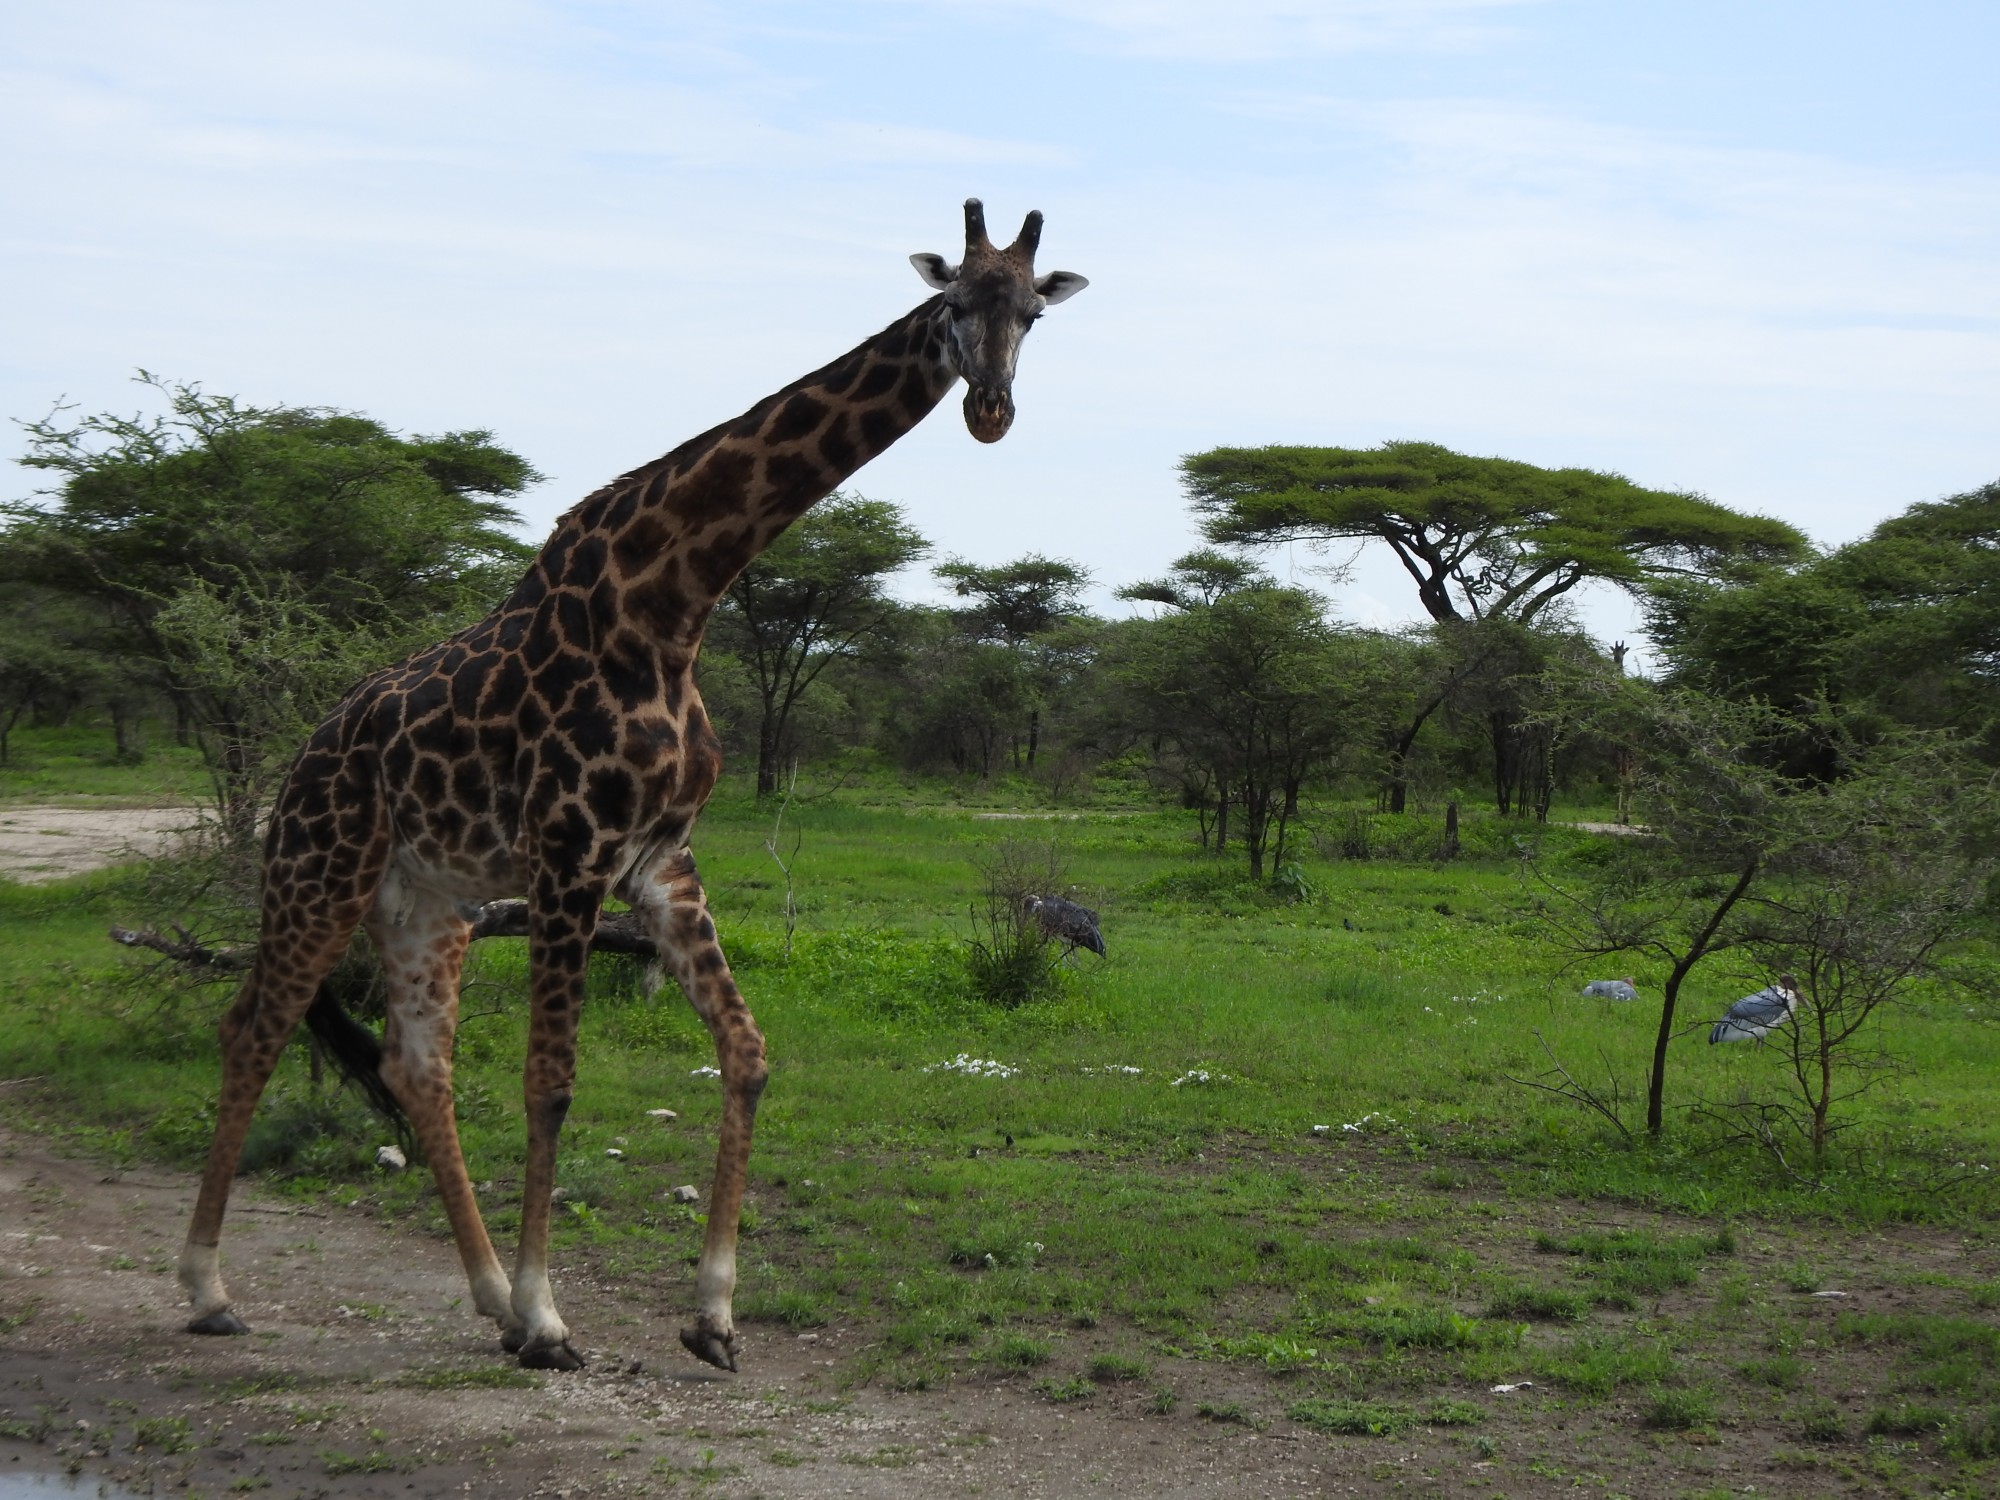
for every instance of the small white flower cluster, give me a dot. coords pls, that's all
(1114, 1068)
(1478, 997)
(1199, 1075)
(975, 1067)
(1360, 1126)
(1976, 1166)
(706, 1072)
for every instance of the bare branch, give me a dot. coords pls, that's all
(617, 932)
(1576, 1092)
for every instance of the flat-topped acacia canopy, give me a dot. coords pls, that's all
(1482, 537)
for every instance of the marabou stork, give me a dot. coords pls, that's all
(1068, 923)
(1754, 1016)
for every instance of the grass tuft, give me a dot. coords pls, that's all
(1680, 1409)
(1380, 1418)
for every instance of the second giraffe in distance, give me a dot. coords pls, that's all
(558, 750)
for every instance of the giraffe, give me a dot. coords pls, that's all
(558, 749)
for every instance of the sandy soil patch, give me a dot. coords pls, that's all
(39, 843)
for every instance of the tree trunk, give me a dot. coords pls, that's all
(1034, 734)
(1656, 1085)
(1399, 790)
(7, 727)
(1451, 845)
(1399, 756)
(1257, 817)
(769, 731)
(1823, 1105)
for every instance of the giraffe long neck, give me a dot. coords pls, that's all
(671, 537)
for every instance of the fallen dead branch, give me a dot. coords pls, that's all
(617, 932)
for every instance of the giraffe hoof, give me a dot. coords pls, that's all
(710, 1347)
(511, 1339)
(223, 1322)
(552, 1357)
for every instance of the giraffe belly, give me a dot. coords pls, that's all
(416, 868)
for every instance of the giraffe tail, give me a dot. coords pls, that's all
(357, 1057)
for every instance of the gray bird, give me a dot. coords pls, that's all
(1755, 1016)
(1613, 989)
(1071, 925)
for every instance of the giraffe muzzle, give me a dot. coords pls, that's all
(989, 412)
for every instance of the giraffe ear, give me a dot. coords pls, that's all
(1057, 285)
(936, 273)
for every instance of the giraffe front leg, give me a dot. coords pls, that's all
(558, 954)
(670, 900)
(421, 961)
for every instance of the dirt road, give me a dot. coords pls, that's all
(39, 843)
(367, 1376)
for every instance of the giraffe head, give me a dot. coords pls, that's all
(990, 298)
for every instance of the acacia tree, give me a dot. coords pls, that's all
(1900, 627)
(1485, 540)
(45, 654)
(1885, 868)
(1716, 821)
(811, 599)
(223, 541)
(1019, 606)
(1251, 686)
(1480, 537)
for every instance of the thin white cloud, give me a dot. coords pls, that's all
(1254, 30)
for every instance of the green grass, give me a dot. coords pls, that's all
(1680, 1409)
(77, 765)
(983, 1222)
(1539, 1304)
(1111, 1369)
(1381, 1418)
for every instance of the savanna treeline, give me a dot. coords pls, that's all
(224, 572)
(1814, 767)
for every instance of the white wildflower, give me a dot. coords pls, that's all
(1360, 1126)
(974, 1067)
(706, 1072)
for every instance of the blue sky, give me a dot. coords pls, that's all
(1748, 249)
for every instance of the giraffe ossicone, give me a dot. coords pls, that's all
(558, 749)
